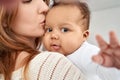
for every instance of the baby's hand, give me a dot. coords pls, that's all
(109, 55)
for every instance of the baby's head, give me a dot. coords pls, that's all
(67, 25)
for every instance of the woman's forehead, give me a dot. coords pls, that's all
(7, 1)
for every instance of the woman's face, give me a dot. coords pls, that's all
(30, 19)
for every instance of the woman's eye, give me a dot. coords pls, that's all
(49, 30)
(47, 1)
(44, 0)
(26, 1)
(64, 30)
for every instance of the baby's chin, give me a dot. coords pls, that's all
(64, 53)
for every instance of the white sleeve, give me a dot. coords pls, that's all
(82, 58)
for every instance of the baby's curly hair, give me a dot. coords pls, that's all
(83, 7)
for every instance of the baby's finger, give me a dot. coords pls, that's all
(113, 40)
(104, 60)
(102, 43)
(98, 59)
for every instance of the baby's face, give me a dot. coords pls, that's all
(62, 32)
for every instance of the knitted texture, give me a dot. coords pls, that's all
(50, 66)
(53, 66)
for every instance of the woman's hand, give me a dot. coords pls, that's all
(109, 55)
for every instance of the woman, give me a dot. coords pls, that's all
(21, 30)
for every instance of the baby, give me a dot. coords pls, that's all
(67, 30)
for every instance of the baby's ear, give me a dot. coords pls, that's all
(86, 34)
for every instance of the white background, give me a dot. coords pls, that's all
(105, 16)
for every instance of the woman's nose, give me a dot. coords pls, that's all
(43, 7)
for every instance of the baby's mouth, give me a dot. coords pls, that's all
(55, 47)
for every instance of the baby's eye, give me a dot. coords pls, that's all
(49, 30)
(26, 1)
(64, 30)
